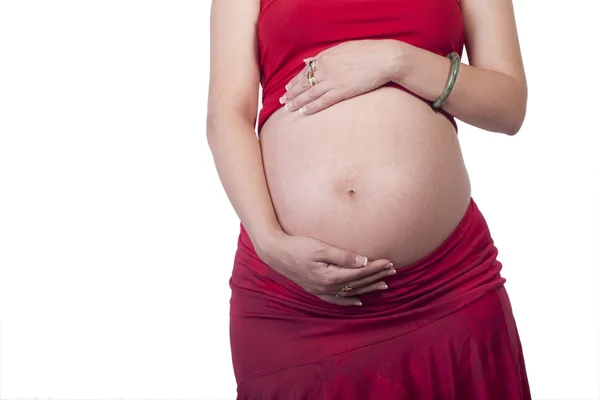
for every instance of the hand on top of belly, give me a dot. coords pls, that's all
(324, 270)
(340, 72)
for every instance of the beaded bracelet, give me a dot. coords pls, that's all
(455, 58)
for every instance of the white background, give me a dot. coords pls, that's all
(117, 239)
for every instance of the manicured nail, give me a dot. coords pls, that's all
(390, 265)
(360, 260)
(288, 86)
(358, 303)
(288, 106)
(392, 272)
(382, 287)
(282, 99)
(303, 110)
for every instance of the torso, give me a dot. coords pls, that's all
(380, 174)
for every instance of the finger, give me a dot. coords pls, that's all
(311, 94)
(341, 258)
(328, 99)
(302, 75)
(367, 280)
(301, 85)
(320, 55)
(341, 301)
(368, 273)
(378, 285)
(300, 80)
(335, 277)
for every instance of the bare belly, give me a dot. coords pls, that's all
(380, 174)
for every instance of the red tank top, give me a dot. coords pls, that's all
(292, 30)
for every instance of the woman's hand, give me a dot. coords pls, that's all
(324, 270)
(343, 71)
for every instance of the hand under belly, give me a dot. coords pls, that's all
(380, 174)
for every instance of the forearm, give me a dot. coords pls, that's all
(483, 98)
(237, 156)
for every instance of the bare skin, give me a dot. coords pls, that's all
(319, 268)
(362, 171)
(361, 176)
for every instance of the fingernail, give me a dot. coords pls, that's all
(360, 260)
(287, 87)
(358, 303)
(288, 106)
(303, 110)
(390, 265)
(306, 60)
(282, 99)
(392, 272)
(382, 287)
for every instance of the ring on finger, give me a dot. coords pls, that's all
(311, 78)
(346, 288)
(312, 65)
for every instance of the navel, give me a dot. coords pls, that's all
(348, 189)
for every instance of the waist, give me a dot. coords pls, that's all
(380, 174)
(462, 268)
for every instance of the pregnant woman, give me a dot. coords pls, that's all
(364, 268)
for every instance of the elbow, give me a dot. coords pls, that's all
(223, 124)
(209, 128)
(211, 123)
(516, 123)
(518, 112)
(214, 124)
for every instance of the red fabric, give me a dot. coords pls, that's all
(292, 30)
(444, 329)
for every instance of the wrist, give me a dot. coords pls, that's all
(266, 241)
(396, 64)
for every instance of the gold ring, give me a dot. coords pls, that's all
(346, 288)
(312, 65)
(311, 78)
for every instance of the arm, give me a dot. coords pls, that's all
(491, 92)
(232, 105)
(231, 115)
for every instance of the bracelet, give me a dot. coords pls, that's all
(455, 58)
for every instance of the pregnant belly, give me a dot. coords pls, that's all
(379, 174)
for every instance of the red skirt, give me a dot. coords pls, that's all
(444, 329)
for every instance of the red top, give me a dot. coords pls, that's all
(292, 30)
